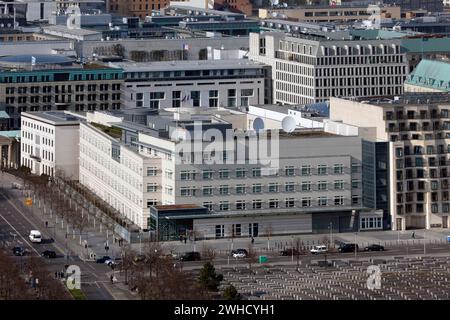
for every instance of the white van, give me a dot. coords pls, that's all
(35, 236)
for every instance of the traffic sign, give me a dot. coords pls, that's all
(29, 201)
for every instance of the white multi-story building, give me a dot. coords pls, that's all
(201, 83)
(310, 68)
(316, 182)
(49, 143)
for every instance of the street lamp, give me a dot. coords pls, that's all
(331, 233)
(356, 246)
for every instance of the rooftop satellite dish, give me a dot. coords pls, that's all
(288, 124)
(258, 124)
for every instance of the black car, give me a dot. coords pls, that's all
(289, 252)
(18, 251)
(49, 254)
(190, 256)
(103, 259)
(374, 247)
(348, 247)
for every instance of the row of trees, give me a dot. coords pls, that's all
(31, 280)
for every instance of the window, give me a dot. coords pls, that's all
(290, 202)
(245, 94)
(208, 205)
(306, 202)
(321, 201)
(367, 223)
(338, 169)
(273, 187)
(176, 99)
(195, 96)
(187, 192)
(151, 171)
(220, 231)
(322, 169)
(240, 173)
(322, 185)
(224, 206)
(151, 202)
(213, 98)
(207, 174)
(289, 187)
(355, 184)
(257, 188)
(257, 204)
(289, 171)
(187, 175)
(355, 200)
(155, 97)
(240, 188)
(338, 200)
(339, 184)
(224, 174)
(232, 97)
(207, 190)
(256, 172)
(306, 186)
(240, 205)
(224, 190)
(274, 203)
(306, 170)
(236, 230)
(151, 187)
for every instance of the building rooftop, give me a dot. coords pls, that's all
(409, 98)
(54, 117)
(187, 65)
(431, 74)
(426, 44)
(75, 32)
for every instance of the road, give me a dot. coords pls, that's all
(274, 259)
(15, 226)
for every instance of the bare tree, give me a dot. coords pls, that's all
(208, 252)
(268, 231)
(252, 256)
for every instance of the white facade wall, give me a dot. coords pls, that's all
(47, 148)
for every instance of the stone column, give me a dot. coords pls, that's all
(9, 155)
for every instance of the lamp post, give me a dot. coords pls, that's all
(331, 233)
(356, 246)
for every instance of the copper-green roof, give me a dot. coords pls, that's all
(419, 45)
(431, 74)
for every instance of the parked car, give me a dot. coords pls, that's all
(190, 256)
(35, 236)
(18, 251)
(239, 253)
(49, 254)
(374, 247)
(111, 262)
(103, 259)
(289, 252)
(348, 247)
(319, 249)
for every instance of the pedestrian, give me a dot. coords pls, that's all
(46, 224)
(181, 238)
(112, 279)
(56, 275)
(185, 240)
(253, 240)
(413, 235)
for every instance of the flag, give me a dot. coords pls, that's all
(33, 61)
(185, 46)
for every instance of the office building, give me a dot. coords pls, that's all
(49, 143)
(136, 168)
(55, 82)
(201, 83)
(416, 127)
(311, 68)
